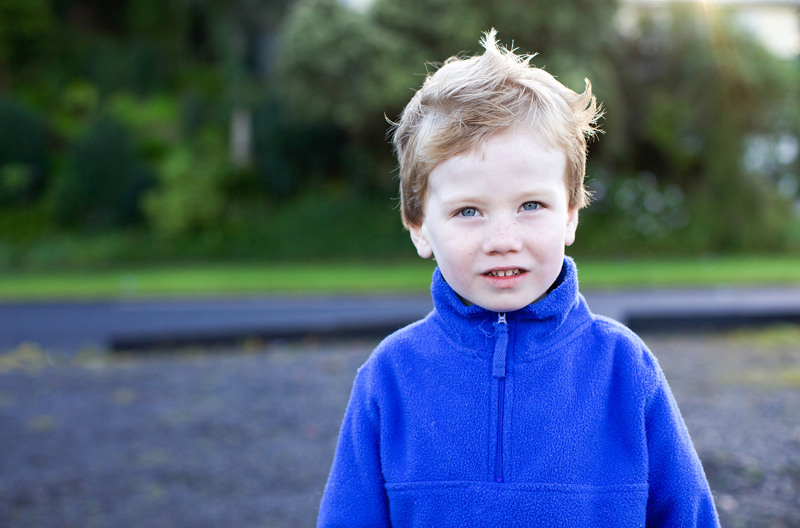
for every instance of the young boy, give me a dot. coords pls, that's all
(510, 404)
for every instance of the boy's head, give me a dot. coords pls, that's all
(482, 134)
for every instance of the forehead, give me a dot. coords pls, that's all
(510, 158)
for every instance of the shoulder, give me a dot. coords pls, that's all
(399, 351)
(627, 351)
(605, 328)
(399, 342)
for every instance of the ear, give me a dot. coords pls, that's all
(419, 237)
(572, 225)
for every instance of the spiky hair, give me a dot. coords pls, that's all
(470, 99)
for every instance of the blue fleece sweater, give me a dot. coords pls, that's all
(547, 416)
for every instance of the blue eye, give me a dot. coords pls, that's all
(468, 211)
(531, 206)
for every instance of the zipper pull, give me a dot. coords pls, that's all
(500, 348)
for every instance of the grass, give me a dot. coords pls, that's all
(217, 279)
(238, 279)
(735, 271)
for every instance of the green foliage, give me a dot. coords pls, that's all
(153, 121)
(700, 126)
(693, 89)
(188, 198)
(23, 154)
(23, 26)
(272, 141)
(156, 20)
(287, 154)
(136, 65)
(102, 181)
(78, 103)
(328, 223)
(22, 225)
(336, 66)
(442, 28)
(196, 112)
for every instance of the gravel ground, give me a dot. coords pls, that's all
(245, 437)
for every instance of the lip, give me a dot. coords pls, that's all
(509, 281)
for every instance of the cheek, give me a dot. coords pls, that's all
(450, 250)
(539, 237)
(454, 252)
(545, 241)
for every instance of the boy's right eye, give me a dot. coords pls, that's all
(468, 211)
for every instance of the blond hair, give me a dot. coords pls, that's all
(468, 100)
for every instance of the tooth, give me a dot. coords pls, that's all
(505, 273)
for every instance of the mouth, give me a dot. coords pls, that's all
(505, 272)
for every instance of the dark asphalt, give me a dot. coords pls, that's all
(144, 324)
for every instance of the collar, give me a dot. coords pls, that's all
(538, 326)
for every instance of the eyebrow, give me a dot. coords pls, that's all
(523, 195)
(457, 200)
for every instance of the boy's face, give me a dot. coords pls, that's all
(497, 221)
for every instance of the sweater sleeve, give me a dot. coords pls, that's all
(355, 495)
(679, 492)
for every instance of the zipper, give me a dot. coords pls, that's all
(499, 372)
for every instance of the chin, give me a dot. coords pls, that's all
(506, 307)
(517, 302)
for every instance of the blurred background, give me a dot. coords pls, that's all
(164, 130)
(206, 151)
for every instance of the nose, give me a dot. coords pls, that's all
(502, 236)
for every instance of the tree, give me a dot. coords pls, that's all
(24, 26)
(103, 180)
(695, 88)
(337, 67)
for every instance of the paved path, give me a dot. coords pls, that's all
(128, 324)
(246, 439)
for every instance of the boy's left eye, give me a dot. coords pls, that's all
(531, 206)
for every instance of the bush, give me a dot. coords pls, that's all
(24, 28)
(693, 89)
(23, 154)
(103, 180)
(336, 66)
(339, 70)
(287, 154)
(189, 196)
